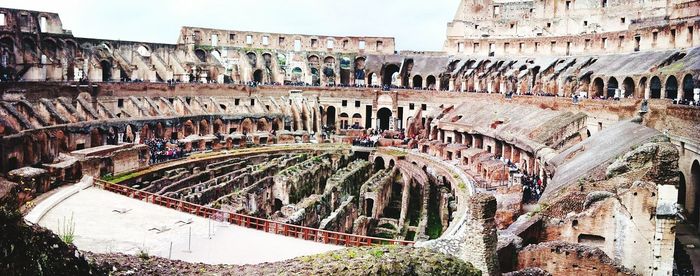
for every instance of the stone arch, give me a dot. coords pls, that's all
(360, 63)
(370, 78)
(688, 86)
(671, 87)
(130, 133)
(252, 59)
(344, 120)
(357, 119)
(695, 197)
(258, 76)
(297, 75)
(384, 115)
(201, 55)
(369, 207)
(247, 126)
(203, 127)
(160, 130)
(263, 125)
(330, 117)
(612, 87)
(95, 138)
(188, 128)
(387, 76)
(655, 87)
(682, 189)
(430, 82)
(218, 126)
(598, 86)
(50, 47)
(628, 86)
(145, 132)
(379, 163)
(642, 87)
(106, 67)
(417, 81)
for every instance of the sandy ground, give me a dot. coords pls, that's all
(146, 227)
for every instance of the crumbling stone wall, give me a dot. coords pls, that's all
(562, 258)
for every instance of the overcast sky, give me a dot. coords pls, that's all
(416, 24)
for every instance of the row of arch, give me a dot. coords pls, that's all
(670, 89)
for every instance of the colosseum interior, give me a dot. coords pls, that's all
(546, 138)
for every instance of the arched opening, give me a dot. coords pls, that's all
(671, 88)
(379, 164)
(315, 77)
(278, 204)
(372, 79)
(344, 77)
(389, 71)
(188, 128)
(344, 120)
(297, 75)
(430, 82)
(201, 55)
(218, 127)
(360, 71)
(695, 178)
(598, 86)
(369, 207)
(655, 87)
(384, 116)
(345, 70)
(357, 121)
(252, 59)
(642, 87)
(203, 127)
(612, 87)
(681, 190)
(628, 86)
(258, 76)
(688, 87)
(330, 117)
(106, 70)
(417, 81)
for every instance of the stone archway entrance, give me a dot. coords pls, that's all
(384, 117)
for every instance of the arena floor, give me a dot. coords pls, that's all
(109, 223)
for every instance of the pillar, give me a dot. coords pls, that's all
(647, 90)
(480, 239)
(452, 85)
(404, 200)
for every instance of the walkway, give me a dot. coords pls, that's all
(106, 222)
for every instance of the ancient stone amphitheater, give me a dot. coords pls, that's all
(547, 138)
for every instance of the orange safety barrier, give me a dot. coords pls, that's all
(268, 226)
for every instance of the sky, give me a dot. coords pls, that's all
(416, 24)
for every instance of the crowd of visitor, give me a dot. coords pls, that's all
(532, 188)
(162, 150)
(686, 102)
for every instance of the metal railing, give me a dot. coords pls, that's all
(268, 226)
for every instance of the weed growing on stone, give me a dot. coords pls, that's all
(66, 231)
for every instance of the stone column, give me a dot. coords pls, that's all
(664, 237)
(647, 91)
(452, 85)
(696, 94)
(480, 241)
(404, 199)
(463, 88)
